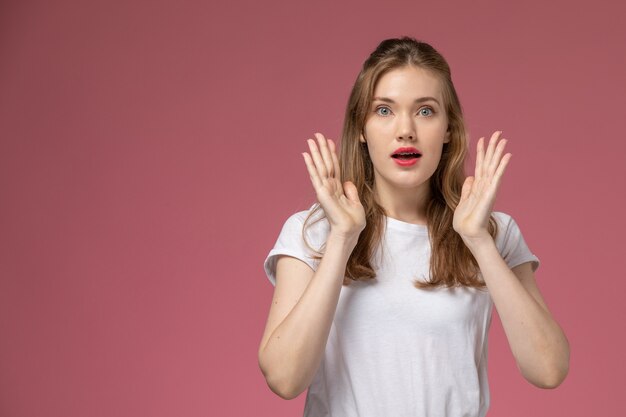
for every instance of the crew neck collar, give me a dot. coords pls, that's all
(409, 227)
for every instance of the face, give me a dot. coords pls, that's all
(407, 112)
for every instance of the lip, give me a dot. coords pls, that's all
(407, 149)
(405, 162)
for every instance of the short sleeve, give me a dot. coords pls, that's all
(511, 243)
(291, 243)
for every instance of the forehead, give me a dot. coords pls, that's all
(408, 83)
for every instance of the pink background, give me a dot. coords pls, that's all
(150, 153)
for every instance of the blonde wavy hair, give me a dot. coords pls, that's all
(451, 262)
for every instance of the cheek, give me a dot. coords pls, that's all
(436, 160)
(372, 153)
(372, 126)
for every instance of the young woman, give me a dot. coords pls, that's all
(384, 288)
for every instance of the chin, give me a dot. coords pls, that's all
(409, 185)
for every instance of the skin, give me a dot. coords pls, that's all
(538, 343)
(404, 191)
(305, 301)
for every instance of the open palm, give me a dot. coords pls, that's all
(478, 195)
(340, 202)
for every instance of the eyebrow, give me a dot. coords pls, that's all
(417, 100)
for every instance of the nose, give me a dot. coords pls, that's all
(406, 128)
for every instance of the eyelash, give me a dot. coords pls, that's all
(386, 107)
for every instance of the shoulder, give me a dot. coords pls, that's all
(506, 225)
(311, 222)
(298, 241)
(507, 230)
(505, 221)
(298, 218)
(511, 243)
(502, 217)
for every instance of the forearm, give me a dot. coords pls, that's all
(537, 342)
(293, 352)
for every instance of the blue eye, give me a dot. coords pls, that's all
(382, 108)
(427, 109)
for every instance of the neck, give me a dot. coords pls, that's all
(404, 204)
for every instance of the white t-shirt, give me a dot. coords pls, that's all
(395, 350)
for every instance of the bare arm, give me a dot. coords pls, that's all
(289, 356)
(538, 343)
(304, 302)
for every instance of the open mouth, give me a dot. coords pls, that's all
(406, 153)
(406, 156)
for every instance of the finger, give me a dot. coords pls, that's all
(326, 157)
(480, 146)
(467, 186)
(490, 151)
(310, 166)
(351, 192)
(317, 158)
(497, 157)
(500, 171)
(333, 152)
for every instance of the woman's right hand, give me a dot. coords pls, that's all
(340, 202)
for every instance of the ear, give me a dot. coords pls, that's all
(447, 138)
(362, 138)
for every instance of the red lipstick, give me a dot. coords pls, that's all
(406, 149)
(406, 156)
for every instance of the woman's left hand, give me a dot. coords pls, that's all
(478, 195)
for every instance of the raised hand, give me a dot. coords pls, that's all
(478, 195)
(340, 201)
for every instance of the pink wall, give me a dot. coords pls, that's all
(150, 152)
